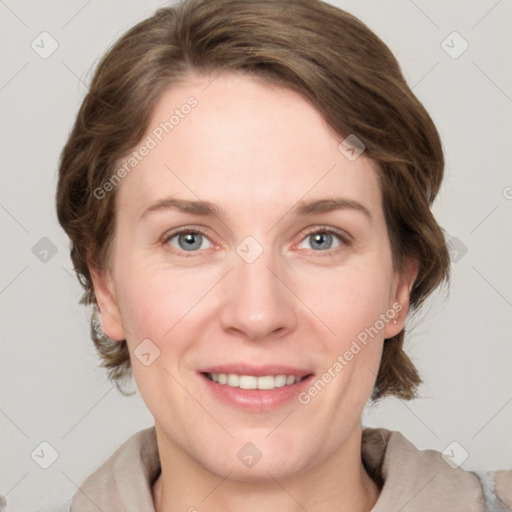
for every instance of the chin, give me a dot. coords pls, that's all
(246, 461)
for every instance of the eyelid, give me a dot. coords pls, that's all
(185, 229)
(343, 235)
(169, 235)
(345, 238)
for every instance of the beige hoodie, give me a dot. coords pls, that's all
(412, 480)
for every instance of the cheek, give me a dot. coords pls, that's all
(350, 298)
(155, 304)
(141, 308)
(155, 299)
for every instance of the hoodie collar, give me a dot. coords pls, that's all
(411, 480)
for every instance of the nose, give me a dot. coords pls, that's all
(257, 303)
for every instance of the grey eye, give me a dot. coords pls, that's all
(188, 241)
(321, 240)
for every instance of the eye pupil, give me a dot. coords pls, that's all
(321, 238)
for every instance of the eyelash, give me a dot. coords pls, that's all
(172, 234)
(344, 239)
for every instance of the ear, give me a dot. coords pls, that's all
(400, 298)
(107, 305)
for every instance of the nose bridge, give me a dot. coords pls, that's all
(258, 303)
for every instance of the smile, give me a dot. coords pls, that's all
(253, 382)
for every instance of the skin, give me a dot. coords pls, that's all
(253, 149)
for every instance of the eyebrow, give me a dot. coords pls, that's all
(204, 208)
(329, 205)
(208, 209)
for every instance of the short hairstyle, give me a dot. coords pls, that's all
(324, 54)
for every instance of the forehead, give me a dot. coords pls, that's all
(237, 140)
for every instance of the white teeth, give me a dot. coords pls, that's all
(253, 382)
(248, 382)
(280, 381)
(234, 380)
(266, 382)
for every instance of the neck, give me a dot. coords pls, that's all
(338, 483)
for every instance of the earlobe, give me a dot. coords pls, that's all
(107, 305)
(401, 300)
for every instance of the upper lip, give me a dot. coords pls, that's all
(257, 371)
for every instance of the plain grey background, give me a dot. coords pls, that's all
(52, 389)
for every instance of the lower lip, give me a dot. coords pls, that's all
(256, 400)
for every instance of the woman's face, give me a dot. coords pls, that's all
(250, 250)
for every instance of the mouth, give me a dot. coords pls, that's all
(255, 389)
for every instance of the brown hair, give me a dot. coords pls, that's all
(326, 55)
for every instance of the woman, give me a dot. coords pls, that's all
(248, 191)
